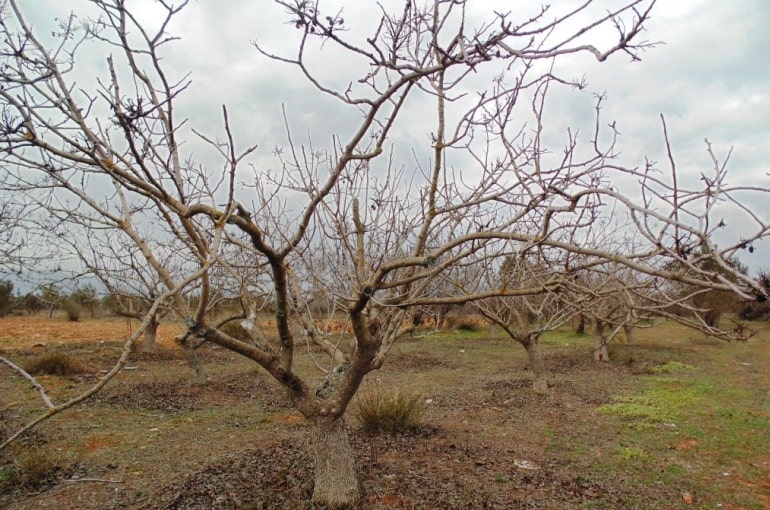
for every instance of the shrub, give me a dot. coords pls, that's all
(55, 363)
(31, 469)
(235, 330)
(382, 411)
(72, 310)
(468, 326)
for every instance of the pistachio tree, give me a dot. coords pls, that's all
(370, 224)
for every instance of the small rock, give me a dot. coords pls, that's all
(526, 464)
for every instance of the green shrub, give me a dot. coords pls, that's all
(72, 309)
(55, 363)
(389, 411)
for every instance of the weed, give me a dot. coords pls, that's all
(55, 363)
(383, 411)
(235, 330)
(30, 470)
(630, 453)
(468, 326)
(72, 309)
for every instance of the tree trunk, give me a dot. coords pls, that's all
(580, 324)
(629, 331)
(336, 479)
(600, 343)
(540, 380)
(150, 333)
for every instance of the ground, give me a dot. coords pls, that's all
(675, 421)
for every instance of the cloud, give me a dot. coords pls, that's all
(709, 79)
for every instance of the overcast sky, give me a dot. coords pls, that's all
(710, 78)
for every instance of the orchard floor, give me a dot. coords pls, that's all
(673, 421)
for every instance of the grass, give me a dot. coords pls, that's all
(703, 421)
(383, 410)
(673, 421)
(32, 469)
(55, 363)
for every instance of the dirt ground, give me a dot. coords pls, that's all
(160, 439)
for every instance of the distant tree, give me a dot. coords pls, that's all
(6, 297)
(51, 297)
(87, 297)
(524, 318)
(32, 304)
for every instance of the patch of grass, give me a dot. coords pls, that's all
(55, 363)
(32, 469)
(670, 367)
(631, 453)
(663, 401)
(562, 338)
(389, 411)
(73, 310)
(235, 330)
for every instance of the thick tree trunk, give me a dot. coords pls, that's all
(150, 333)
(580, 324)
(629, 331)
(540, 380)
(600, 343)
(336, 478)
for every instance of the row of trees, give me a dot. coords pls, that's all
(490, 209)
(49, 298)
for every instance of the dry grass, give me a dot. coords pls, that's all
(700, 431)
(389, 411)
(56, 363)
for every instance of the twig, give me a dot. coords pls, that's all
(48, 403)
(99, 480)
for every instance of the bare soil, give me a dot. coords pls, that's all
(160, 439)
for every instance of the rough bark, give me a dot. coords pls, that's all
(336, 477)
(540, 380)
(600, 342)
(150, 334)
(629, 331)
(580, 324)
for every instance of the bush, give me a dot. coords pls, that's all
(55, 363)
(235, 330)
(72, 309)
(31, 470)
(382, 411)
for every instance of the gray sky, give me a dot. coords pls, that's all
(710, 78)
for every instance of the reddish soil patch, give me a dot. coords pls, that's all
(30, 332)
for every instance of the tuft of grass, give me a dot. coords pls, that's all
(55, 363)
(235, 330)
(31, 469)
(72, 309)
(389, 411)
(631, 453)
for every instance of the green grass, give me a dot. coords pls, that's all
(564, 337)
(703, 423)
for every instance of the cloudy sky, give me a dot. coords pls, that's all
(710, 77)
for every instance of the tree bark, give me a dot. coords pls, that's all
(580, 324)
(150, 334)
(336, 477)
(600, 343)
(629, 331)
(540, 380)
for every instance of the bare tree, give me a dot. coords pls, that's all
(525, 318)
(347, 221)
